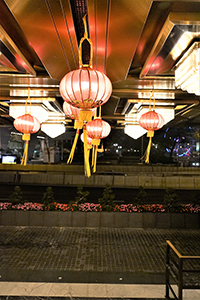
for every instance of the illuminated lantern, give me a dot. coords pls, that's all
(97, 129)
(85, 88)
(150, 121)
(89, 141)
(27, 124)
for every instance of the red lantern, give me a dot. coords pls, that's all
(97, 129)
(150, 121)
(89, 141)
(85, 88)
(26, 124)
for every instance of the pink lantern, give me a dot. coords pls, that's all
(98, 129)
(85, 88)
(26, 124)
(89, 140)
(150, 121)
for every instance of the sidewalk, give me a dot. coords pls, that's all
(90, 254)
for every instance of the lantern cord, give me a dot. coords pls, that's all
(150, 99)
(85, 27)
(71, 156)
(99, 111)
(80, 47)
(28, 99)
(25, 154)
(86, 158)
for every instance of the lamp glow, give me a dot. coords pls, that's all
(187, 73)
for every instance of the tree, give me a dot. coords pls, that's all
(107, 200)
(48, 197)
(16, 196)
(81, 195)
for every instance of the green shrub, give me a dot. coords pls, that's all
(140, 197)
(81, 195)
(48, 197)
(106, 201)
(171, 201)
(16, 196)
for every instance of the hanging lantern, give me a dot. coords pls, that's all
(27, 124)
(89, 141)
(85, 89)
(150, 121)
(97, 130)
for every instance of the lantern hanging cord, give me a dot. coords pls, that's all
(85, 37)
(152, 96)
(28, 99)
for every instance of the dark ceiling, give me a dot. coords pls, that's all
(134, 42)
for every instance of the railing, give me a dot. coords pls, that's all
(184, 271)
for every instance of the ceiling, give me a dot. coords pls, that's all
(136, 43)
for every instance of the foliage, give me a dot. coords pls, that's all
(48, 197)
(171, 201)
(81, 195)
(106, 201)
(16, 196)
(141, 196)
(95, 207)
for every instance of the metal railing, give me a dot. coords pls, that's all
(182, 276)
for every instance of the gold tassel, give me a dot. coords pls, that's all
(25, 137)
(147, 153)
(95, 144)
(86, 158)
(93, 150)
(71, 156)
(95, 159)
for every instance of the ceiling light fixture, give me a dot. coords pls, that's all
(187, 73)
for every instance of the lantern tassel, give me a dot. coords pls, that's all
(71, 156)
(25, 154)
(93, 150)
(94, 159)
(86, 156)
(147, 152)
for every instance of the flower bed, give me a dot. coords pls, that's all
(92, 207)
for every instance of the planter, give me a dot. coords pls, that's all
(100, 219)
